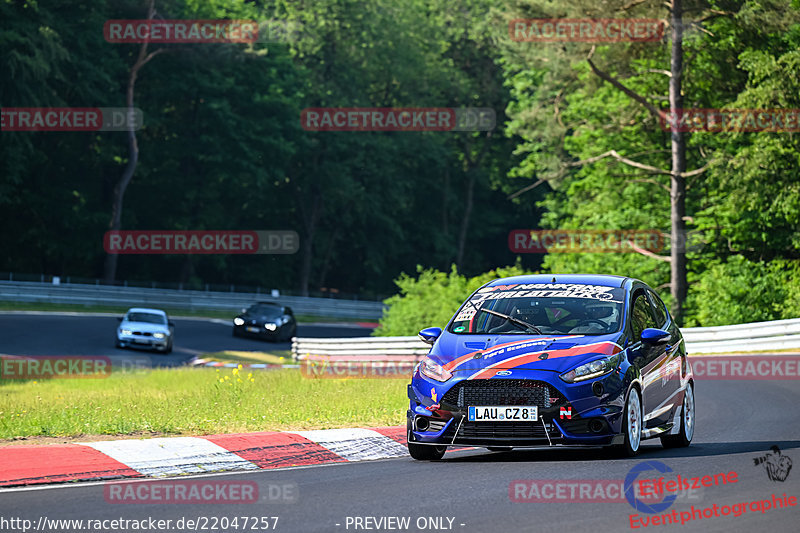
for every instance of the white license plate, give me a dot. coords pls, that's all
(253, 330)
(503, 413)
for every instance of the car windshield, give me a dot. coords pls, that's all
(265, 310)
(150, 318)
(541, 308)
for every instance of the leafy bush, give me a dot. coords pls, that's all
(738, 291)
(432, 298)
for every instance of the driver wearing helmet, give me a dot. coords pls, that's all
(526, 313)
(600, 317)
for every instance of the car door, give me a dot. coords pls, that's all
(670, 369)
(648, 357)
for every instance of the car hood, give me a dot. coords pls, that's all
(145, 326)
(470, 354)
(261, 318)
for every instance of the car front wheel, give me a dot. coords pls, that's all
(684, 436)
(633, 425)
(426, 452)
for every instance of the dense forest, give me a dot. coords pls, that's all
(579, 144)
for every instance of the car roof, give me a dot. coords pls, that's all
(146, 310)
(605, 280)
(268, 303)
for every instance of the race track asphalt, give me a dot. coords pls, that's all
(35, 334)
(737, 422)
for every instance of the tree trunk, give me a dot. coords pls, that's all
(678, 283)
(110, 266)
(462, 234)
(310, 220)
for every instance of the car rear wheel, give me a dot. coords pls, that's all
(426, 452)
(632, 428)
(684, 436)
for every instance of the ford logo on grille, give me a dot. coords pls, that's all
(504, 373)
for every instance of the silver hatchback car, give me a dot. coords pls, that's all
(145, 328)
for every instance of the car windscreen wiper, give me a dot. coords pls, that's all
(511, 319)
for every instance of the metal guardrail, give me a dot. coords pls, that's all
(758, 336)
(69, 293)
(753, 337)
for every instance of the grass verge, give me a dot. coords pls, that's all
(195, 401)
(276, 357)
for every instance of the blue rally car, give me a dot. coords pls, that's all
(540, 360)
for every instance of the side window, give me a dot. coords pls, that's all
(661, 309)
(641, 316)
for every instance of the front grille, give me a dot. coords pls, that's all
(502, 392)
(143, 333)
(506, 430)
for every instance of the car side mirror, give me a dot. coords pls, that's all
(171, 324)
(655, 336)
(429, 335)
(119, 319)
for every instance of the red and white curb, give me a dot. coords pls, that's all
(162, 457)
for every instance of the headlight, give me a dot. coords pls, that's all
(125, 332)
(270, 326)
(238, 321)
(159, 335)
(434, 371)
(592, 369)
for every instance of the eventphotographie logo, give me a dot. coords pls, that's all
(775, 463)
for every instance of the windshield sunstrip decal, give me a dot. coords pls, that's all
(549, 290)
